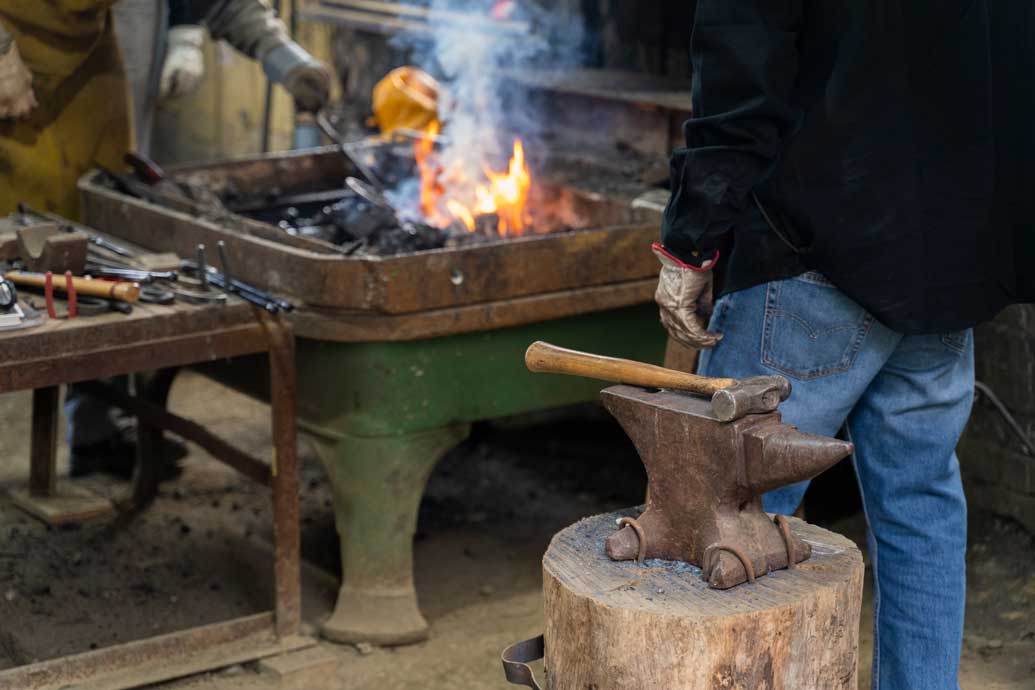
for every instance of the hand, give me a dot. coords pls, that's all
(17, 99)
(682, 291)
(310, 85)
(307, 79)
(184, 66)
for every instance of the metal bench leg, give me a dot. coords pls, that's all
(378, 483)
(287, 570)
(43, 451)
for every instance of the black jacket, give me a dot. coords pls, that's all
(855, 137)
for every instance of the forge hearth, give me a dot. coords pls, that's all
(405, 210)
(603, 241)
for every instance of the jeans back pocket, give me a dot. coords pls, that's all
(811, 328)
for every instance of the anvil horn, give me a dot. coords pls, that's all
(777, 456)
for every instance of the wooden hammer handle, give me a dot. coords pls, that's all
(546, 358)
(122, 291)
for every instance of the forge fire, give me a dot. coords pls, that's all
(483, 200)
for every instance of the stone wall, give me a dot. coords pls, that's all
(999, 473)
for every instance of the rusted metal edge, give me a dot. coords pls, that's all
(156, 659)
(154, 415)
(351, 326)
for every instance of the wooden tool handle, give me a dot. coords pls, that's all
(123, 291)
(546, 358)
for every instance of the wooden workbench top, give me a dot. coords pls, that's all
(83, 334)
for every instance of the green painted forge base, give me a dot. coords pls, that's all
(383, 414)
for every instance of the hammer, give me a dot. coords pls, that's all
(731, 399)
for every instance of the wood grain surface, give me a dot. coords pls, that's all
(625, 626)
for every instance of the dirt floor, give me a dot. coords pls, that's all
(202, 554)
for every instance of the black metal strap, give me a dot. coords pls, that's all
(515, 660)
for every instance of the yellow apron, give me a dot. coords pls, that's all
(83, 118)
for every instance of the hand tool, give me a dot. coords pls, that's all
(122, 291)
(731, 399)
(243, 290)
(325, 125)
(144, 168)
(706, 478)
(131, 274)
(48, 293)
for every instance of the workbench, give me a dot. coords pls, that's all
(162, 339)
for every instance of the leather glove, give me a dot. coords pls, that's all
(17, 99)
(682, 291)
(184, 65)
(307, 79)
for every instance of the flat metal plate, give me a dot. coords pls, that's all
(158, 659)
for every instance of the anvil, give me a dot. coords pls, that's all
(706, 479)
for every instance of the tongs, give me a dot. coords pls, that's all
(324, 123)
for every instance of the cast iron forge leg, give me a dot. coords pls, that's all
(378, 483)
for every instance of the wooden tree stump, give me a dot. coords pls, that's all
(657, 626)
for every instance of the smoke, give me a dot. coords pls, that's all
(474, 47)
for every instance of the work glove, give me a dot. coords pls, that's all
(184, 65)
(17, 99)
(683, 291)
(307, 79)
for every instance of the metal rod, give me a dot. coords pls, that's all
(228, 283)
(242, 289)
(202, 267)
(1011, 421)
(151, 660)
(157, 416)
(137, 276)
(324, 123)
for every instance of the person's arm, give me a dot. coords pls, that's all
(252, 27)
(745, 63)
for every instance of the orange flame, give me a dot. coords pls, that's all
(452, 195)
(423, 151)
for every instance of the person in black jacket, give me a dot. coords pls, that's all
(841, 164)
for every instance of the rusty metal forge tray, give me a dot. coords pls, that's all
(612, 255)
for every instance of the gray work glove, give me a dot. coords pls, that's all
(682, 291)
(307, 79)
(17, 99)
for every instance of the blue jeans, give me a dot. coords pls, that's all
(905, 401)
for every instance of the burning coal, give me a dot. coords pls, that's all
(479, 200)
(472, 165)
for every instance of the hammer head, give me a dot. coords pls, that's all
(755, 395)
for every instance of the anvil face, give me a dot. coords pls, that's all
(706, 479)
